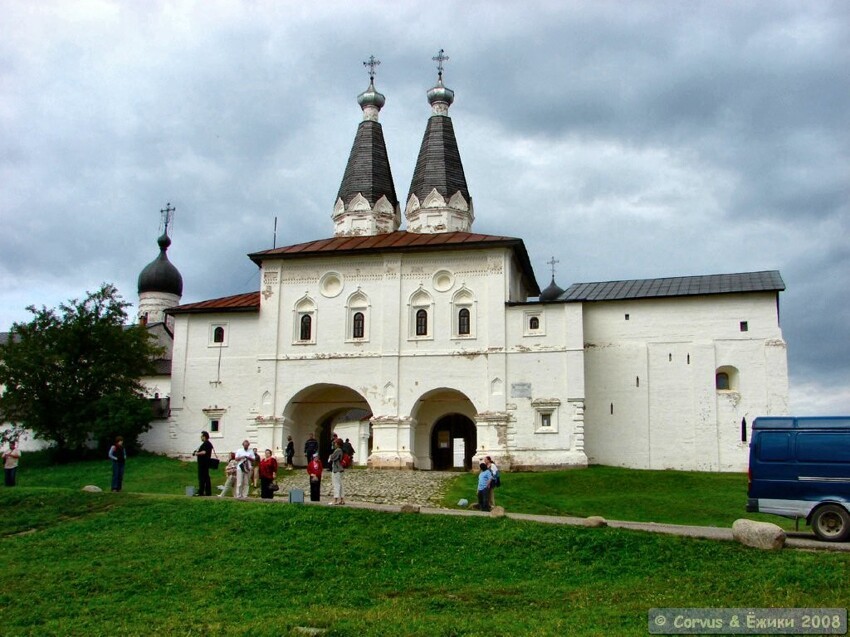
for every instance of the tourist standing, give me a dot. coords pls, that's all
(290, 452)
(255, 471)
(314, 470)
(348, 448)
(10, 463)
(484, 487)
(337, 470)
(494, 479)
(230, 476)
(244, 456)
(268, 474)
(203, 454)
(118, 455)
(311, 447)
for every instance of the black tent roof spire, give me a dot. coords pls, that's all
(439, 199)
(366, 202)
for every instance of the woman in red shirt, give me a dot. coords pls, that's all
(314, 469)
(268, 474)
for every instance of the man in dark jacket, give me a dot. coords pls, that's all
(311, 447)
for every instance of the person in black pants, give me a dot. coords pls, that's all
(204, 453)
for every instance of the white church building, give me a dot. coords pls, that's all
(432, 346)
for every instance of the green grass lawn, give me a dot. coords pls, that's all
(675, 497)
(108, 564)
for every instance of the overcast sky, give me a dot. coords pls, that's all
(626, 139)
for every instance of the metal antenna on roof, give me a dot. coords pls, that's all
(552, 263)
(167, 217)
(439, 59)
(372, 62)
(274, 239)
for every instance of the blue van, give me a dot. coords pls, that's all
(800, 468)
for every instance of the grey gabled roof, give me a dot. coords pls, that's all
(767, 281)
(368, 169)
(438, 165)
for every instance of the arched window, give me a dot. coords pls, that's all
(463, 321)
(534, 323)
(726, 378)
(358, 325)
(218, 334)
(421, 322)
(306, 332)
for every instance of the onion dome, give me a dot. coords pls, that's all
(160, 275)
(552, 291)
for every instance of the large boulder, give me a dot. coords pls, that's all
(595, 521)
(760, 535)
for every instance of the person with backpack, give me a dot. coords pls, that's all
(495, 480)
(484, 480)
(244, 457)
(337, 470)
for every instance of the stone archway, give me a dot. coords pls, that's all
(442, 417)
(453, 443)
(323, 409)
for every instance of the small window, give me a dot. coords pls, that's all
(358, 325)
(306, 332)
(637, 381)
(627, 317)
(721, 381)
(534, 323)
(545, 420)
(215, 426)
(421, 322)
(744, 326)
(463, 321)
(218, 335)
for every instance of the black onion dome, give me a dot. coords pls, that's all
(160, 275)
(552, 291)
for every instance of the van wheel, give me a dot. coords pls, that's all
(831, 523)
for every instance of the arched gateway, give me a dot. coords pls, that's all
(324, 409)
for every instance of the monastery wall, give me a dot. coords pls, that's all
(652, 400)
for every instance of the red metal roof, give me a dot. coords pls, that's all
(402, 241)
(248, 302)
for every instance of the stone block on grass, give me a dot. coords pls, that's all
(92, 488)
(760, 535)
(409, 508)
(595, 521)
(497, 512)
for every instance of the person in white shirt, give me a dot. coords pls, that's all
(10, 463)
(244, 456)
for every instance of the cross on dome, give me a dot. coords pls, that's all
(372, 62)
(552, 263)
(167, 216)
(439, 59)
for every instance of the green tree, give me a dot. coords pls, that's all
(72, 376)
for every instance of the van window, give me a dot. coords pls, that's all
(773, 446)
(812, 447)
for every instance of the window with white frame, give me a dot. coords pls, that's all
(218, 334)
(533, 324)
(215, 422)
(463, 314)
(421, 315)
(305, 322)
(357, 328)
(546, 415)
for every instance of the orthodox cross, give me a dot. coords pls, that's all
(372, 62)
(552, 263)
(167, 216)
(439, 59)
